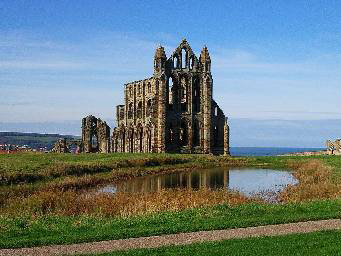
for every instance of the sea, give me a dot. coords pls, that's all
(262, 151)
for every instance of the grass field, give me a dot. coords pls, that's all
(42, 230)
(317, 243)
(40, 203)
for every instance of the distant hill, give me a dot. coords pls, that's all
(33, 140)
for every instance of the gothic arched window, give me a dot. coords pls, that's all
(149, 107)
(130, 110)
(191, 62)
(183, 89)
(183, 58)
(139, 110)
(175, 61)
(170, 91)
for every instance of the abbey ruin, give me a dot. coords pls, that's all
(172, 111)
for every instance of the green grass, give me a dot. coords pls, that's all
(30, 167)
(316, 243)
(29, 231)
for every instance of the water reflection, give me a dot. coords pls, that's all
(247, 181)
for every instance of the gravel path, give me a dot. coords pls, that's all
(176, 239)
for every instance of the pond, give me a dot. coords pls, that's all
(265, 183)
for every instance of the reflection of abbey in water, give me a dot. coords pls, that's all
(213, 179)
(172, 111)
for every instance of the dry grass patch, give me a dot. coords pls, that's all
(315, 182)
(72, 203)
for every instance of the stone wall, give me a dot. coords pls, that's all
(95, 135)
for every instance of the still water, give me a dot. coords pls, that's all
(262, 182)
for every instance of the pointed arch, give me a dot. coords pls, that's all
(191, 62)
(175, 61)
(196, 133)
(94, 142)
(140, 138)
(216, 135)
(131, 140)
(149, 107)
(139, 110)
(149, 135)
(130, 110)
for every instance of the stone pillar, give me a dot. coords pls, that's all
(127, 141)
(207, 113)
(126, 104)
(190, 134)
(190, 110)
(162, 97)
(143, 101)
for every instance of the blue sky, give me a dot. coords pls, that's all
(62, 60)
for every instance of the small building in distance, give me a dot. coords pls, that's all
(172, 111)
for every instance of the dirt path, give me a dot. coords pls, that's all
(177, 239)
